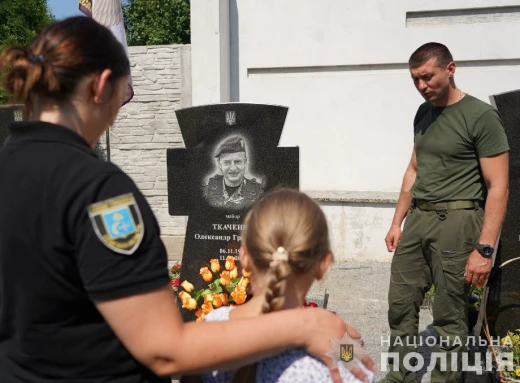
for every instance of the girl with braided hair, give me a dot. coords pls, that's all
(286, 247)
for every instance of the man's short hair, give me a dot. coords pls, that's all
(428, 51)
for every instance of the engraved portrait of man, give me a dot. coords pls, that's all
(230, 188)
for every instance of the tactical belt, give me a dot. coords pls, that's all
(445, 206)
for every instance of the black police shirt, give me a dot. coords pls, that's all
(73, 229)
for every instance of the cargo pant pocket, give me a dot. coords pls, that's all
(453, 269)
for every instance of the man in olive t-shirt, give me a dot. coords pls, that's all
(459, 164)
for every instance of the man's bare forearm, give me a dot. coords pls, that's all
(495, 212)
(405, 198)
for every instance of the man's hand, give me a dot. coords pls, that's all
(477, 269)
(392, 238)
(321, 327)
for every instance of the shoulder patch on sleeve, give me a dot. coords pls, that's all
(118, 223)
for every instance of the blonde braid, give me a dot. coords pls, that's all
(276, 284)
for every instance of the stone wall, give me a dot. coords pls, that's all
(147, 126)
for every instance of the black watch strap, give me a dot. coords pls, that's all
(485, 250)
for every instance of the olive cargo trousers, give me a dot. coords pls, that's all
(433, 249)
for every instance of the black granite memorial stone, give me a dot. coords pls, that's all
(503, 306)
(8, 115)
(231, 159)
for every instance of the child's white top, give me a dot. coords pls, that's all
(291, 366)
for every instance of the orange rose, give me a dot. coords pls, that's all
(200, 315)
(233, 273)
(206, 308)
(245, 273)
(187, 286)
(215, 265)
(239, 297)
(206, 274)
(225, 279)
(220, 300)
(230, 263)
(190, 304)
(208, 298)
(217, 302)
(224, 297)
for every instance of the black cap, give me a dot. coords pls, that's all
(233, 144)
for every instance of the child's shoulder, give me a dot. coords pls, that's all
(291, 366)
(217, 315)
(297, 366)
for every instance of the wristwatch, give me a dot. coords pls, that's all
(485, 250)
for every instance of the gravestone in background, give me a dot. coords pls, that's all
(224, 143)
(503, 306)
(9, 114)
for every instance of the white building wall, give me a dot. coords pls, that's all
(341, 68)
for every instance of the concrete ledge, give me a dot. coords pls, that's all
(353, 196)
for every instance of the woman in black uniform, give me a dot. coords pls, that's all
(84, 289)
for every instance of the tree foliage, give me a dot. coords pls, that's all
(157, 22)
(20, 22)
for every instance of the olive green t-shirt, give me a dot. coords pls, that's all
(449, 142)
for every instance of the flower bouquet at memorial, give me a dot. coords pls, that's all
(226, 287)
(307, 303)
(175, 272)
(511, 344)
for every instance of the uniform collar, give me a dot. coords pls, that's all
(44, 131)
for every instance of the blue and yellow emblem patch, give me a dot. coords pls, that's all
(118, 223)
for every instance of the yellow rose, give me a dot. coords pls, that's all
(245, 273)
(225, 279)
(190, 304)
(239, 297)
(187, 286)
(206, 274)
(240, 287)
(244, 282)
(206, 308)
(215, 265)
(517, 372)
(208, 298)
(233, 273)
(230, 263)
(184, 295)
